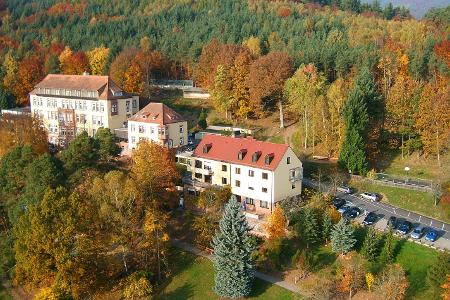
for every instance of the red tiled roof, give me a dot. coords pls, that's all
(157, 113)
(225, 148)
(105, 87)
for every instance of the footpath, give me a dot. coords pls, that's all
(194, 250)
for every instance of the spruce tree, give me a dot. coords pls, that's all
(232, 254)
(342, 238)
(370, 246)
(327, 226)
(363, 100)
(387, 253)
(438, 272)
(308, 226)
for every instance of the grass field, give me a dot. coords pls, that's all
(417, 201)
(194, 279)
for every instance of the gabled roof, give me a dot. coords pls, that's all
(228, 149)
(157, 113)
(107, 89)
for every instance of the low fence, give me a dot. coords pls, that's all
(407, 183)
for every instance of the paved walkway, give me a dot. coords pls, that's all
(385, 210)
(194, 250)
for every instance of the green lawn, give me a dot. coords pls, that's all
(420, 202)
(194, 279)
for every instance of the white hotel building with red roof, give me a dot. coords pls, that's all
(259, 173)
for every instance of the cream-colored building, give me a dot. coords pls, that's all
(158, 123)
(259, 173)
(70, 104)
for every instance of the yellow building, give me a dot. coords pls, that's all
(70, 104)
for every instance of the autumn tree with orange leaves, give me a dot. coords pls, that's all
(276, 225)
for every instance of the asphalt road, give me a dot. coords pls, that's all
(385, 211)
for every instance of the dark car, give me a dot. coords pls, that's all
(370, 218)
(404, 227)
(338, 202)
(352, 213)
(431, 235)
(392, 222)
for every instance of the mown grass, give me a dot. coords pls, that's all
(416, 201)
(193, 278)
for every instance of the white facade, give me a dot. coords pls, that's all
(85, 114)
(172, 135)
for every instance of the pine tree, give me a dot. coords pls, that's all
(353, 154)
(232, 254)
(202, 120)
(308, 227)
(387, 253)
(437, 272)
(327, 226)
(342, 238)
(370, 246)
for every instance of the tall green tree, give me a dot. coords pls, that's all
(233, 249)
(222, 93)
(387, 252)
(6, 99)
(342, 237)
(308, 227)
(82, 152)
(107, 146)
(327, 227)
(369, 249)
(438, 272)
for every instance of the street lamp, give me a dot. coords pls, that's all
(407, 169)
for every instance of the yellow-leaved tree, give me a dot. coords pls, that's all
(276, 227)
(97, 59)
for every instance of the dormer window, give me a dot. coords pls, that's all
(206, 148)
(155, 116)
(256, 156)
(268, 159)
(118, 94)
(242, 154)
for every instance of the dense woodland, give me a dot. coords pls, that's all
(358, 80)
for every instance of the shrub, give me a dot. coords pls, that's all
(137, 285)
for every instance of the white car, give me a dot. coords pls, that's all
(370, 196)
(344, 189)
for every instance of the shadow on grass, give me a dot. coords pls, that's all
(259, 287)
(185, 291)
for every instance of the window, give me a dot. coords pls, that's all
(292, 174)
(265, 175)
(224, 168)
(132, 127)
(251, 173)
(241, 154)
(181, 141)
(237, 183)
(102, 107)
(198, 163)
(224, 180)
(251, 188)
(249, 201)
(134, 104)
(237, 171)
(141, 129)
(256, 156)
(127, 104)
(293, 186)
(198, 175)
(133, 139)
(264, 204)
(114, 108)
(264, 190)
(181, 129)
(288, 160)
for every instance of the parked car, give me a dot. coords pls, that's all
(392, 222)
(351, 213)
(431, 235)
(418, 232)
(370, 196)
(344, 189)
(338, 202)
(345, 207)
(370, 218)
(404, 227)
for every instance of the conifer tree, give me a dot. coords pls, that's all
(437, 272)
(232, 254)
(369, 248)
(387, 253)
(327, 226)
(308, 227)
(342, 238)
